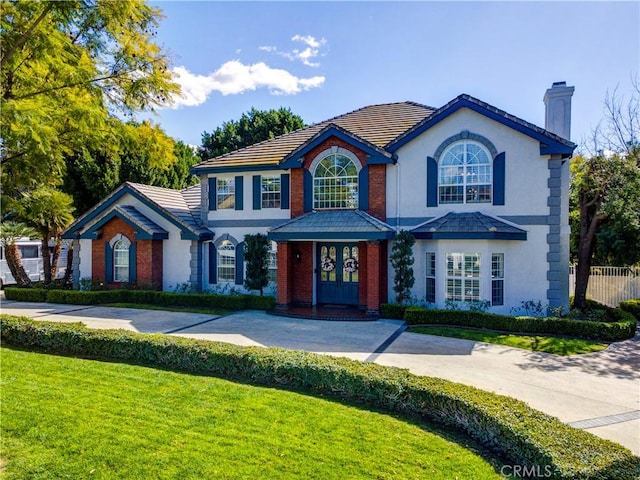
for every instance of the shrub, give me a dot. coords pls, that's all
(25, 294)
(76, 297)
(622, 328)
(392, 310)
(519, 433)
(632, 306)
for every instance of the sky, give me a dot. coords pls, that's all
(322, 59)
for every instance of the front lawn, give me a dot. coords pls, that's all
(72, 418)
(537, 343)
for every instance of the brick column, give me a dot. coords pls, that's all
(283, 297)
(373, 278)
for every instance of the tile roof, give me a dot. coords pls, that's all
(146, 224)
(181, 204)
(468, 225)
(333, 224)
(376, 124)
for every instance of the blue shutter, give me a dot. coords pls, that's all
(132, 263)
(213, 264)
(213, 203)
(240, 263)
(284, 191)
(432, 182)
(108, 263)
(363, 188)
(257, 192)
(308, 191)
(239, 193)
(498, 179)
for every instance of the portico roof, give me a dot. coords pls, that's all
(333, 224)
(468, 226)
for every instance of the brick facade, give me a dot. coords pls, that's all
(149, 255)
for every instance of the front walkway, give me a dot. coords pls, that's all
(599, 391)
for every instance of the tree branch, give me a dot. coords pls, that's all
(23, 38)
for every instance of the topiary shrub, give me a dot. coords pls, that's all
(520, 434)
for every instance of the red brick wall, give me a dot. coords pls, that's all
(283, 295)
(302, 273)
(362, 275)
(378, 192)
(377, 180)
(148, 254)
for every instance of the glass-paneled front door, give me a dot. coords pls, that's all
(338, 273)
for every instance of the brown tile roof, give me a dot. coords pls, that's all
(377, 124)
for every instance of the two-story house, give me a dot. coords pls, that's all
(484, 193)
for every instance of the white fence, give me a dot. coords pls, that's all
(610, 285)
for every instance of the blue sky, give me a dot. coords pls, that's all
(322, 59)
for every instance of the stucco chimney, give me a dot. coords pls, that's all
(557, 101)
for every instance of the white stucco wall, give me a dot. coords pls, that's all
(248, 213)
(526, 171)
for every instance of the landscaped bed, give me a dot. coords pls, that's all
(73, 418)
(517, 433)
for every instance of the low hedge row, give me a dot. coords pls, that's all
(151, 297)
(632, 306)
(624, 327)
(520, 434)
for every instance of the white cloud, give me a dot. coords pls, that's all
(234, 77)
(305, 56)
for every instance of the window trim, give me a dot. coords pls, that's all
(222, 275)
(230, 184)
(334, 151)
(276, 199)
(464, 278)
(485, 186)
(430, 277)
(126, 248)
(497, 279)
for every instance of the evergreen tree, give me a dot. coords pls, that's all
(402, 263)
(256, 251)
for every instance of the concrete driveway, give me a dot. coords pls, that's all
(599, 392)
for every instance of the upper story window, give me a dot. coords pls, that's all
(335, 183)
(465, 174)
(225, 193)
(270, 191)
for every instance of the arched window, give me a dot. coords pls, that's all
(226, 262)
(121, 260)
(335, 183)
(465, 173)
(272, 262)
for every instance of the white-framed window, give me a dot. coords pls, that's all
(335, 183)
(463, 277)
(465, 173)
(225, 192)
(430, 291)
(270, 191)
(497, 279)
(272, 262)
(226, 262)
(121, 260)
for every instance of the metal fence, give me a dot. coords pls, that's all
(610, 285)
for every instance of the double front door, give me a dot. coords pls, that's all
(338, 273)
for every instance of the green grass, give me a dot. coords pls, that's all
(72, 418)
(537, 343)
(145, 306)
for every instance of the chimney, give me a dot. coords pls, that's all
(557, 102)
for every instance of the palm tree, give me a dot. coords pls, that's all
(49, 212)
(10, 233)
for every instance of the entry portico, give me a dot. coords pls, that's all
(332, 257)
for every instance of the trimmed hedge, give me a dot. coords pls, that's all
(151, 297)
(632, 306)
(520, 434)
(392, 310)
(26, 294)
(622, 328)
